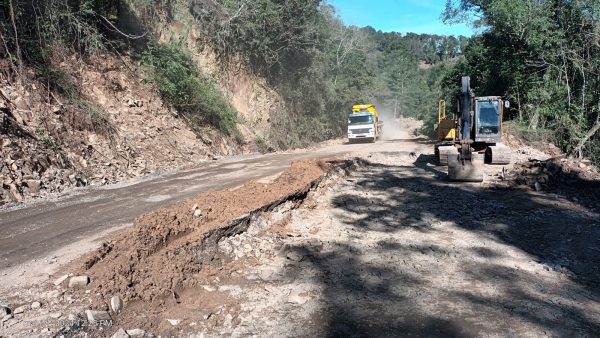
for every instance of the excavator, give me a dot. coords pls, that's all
(472, 139)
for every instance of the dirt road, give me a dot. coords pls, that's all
(59, 230)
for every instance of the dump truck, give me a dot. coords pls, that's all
(472, 139)
(364, 123)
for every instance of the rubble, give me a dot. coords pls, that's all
(96, 316)
(4, 311)
(79, 282)
(120, 334)
(136, 333)
(50, 147)
(20, 309)
(116, 304)
(60, 280)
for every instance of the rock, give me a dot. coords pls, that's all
(538, 186)
(95, 316)
(54, 294)
(294, 256)
(34, 186)
(4, 311)
(20, 309)
(120, 334)
(174, 322)
(296, 298)
(60, 280)
(136, 333)
(36, 305)
(6, 318)
(197, 213)
(56, 315)
(195, 207)
(315, 244)
(130, 103)
(209, 288)
(116, 304)
(79, 282)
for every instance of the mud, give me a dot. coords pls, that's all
(163, 250)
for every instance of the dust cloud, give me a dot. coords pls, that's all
(393, 128)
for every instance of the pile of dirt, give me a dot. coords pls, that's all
(554, 171)
(115, 128)
(165, 249)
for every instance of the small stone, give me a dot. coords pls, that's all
(36, 305)
(19, 310)
(116, 304)
(294, 256)
(209, 288)
(34, 186)
(195, 207)
(79, 282)
(174, 322)
(60, 280)
(6, 318)
(297, 298)
(136, 332)
(120, 334)
(54, 294)
(197, 213)
(538, 186)
(94, 316)
(55, 315)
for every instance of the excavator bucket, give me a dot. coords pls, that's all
(465, 170)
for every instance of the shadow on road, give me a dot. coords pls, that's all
(385, 298)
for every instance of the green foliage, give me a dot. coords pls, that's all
(545, 57)
(189, 92)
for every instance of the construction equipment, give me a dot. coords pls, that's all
(474, 138)
(364, 123)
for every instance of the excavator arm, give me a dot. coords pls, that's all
(465, 166)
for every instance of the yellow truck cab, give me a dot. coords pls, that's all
(364, 123)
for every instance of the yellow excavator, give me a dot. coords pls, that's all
(466, 143)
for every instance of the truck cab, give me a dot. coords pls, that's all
(364, 123)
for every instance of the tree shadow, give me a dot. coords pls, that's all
(381, 299)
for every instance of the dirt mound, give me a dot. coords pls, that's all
(165, 248)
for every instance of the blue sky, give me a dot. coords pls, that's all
(418, 16)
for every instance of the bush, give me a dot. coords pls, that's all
(192, 94)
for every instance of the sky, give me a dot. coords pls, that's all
(418, 16)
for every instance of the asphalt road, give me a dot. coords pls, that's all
(32, 232)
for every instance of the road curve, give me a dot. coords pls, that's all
(38, 229)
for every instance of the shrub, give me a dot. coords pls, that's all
(192, 94)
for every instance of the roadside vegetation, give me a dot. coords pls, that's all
(192, 94)
(545, 57)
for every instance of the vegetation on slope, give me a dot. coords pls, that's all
(316, 63)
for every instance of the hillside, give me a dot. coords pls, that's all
(100, 92)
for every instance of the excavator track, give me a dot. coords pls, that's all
(498, 154)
